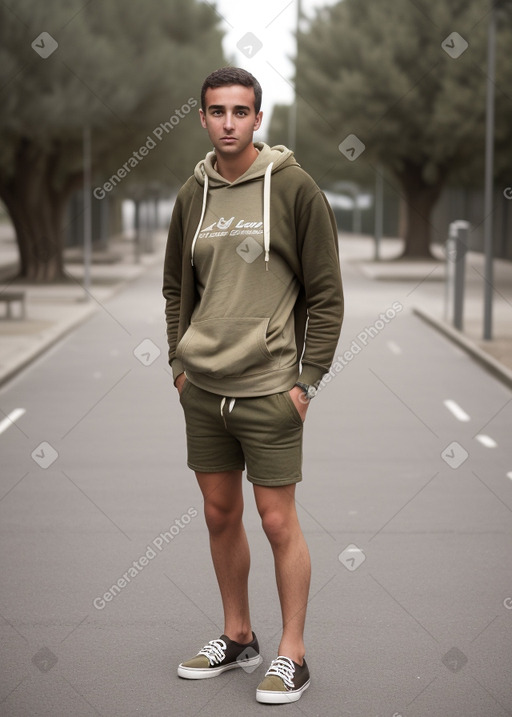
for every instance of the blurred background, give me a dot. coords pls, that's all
(402, 113)
(103, 80)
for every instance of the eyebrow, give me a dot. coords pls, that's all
(222, 107)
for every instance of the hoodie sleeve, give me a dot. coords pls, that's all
(172, 284)
(318, 243)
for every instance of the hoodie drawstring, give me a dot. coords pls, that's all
(266, 215)
(203, 210)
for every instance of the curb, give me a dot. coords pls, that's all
(45, 345)
(488, 362)
(64, 329)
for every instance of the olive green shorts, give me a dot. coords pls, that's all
(263, 434)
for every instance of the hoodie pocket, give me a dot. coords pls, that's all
(225, 347)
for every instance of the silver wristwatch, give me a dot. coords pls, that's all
(309, 390)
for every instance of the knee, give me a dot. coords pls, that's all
(220, 517)
(276, 526)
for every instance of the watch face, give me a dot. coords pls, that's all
(309, 391)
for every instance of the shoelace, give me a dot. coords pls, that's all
(215, 651)
(284, 668)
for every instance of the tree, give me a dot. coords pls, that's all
(121, 68)
(408, 79)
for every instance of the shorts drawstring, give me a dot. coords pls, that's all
(231, 406)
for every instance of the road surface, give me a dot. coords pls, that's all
(406, 505)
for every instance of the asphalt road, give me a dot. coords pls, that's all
(406, 505)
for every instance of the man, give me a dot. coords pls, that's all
(251, 261)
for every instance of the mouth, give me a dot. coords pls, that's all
(228, 140)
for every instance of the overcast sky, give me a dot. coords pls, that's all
(260, 38)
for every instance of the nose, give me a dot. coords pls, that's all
(228, 121)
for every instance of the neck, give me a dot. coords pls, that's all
(231, 167)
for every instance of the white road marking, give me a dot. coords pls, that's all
(486, 441)
(456, 410)
(394, 348)
(11, 418)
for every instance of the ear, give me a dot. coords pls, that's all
(258, 120)
(203, 119)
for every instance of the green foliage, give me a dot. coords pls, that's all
(120, 67)
(278, 128)
(378, 70)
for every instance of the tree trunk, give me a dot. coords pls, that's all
(419, 199)
(37, 211)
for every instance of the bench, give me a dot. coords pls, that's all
(12, 297)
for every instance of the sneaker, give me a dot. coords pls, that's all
(221, 655)
(284, 681)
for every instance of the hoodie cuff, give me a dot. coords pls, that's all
(311, 375)
(177, 369)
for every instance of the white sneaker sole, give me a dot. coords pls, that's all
(204, 673)
(280, 698)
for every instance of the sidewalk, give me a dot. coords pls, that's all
(429, 301)
(54, 310)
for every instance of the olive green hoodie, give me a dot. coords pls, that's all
(248, 264)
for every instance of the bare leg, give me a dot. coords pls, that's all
(276, 506)
(223, 510)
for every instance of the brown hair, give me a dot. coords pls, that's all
(232, 76)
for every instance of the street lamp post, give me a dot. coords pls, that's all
(87, 210)
(292, 121)
(379, 209)
(489, 173)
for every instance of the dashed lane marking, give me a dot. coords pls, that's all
(394, 348)
(486, 441)
(11, 419)
(456, 410)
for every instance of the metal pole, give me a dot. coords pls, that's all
(87, 211)
(137, 230)
(489, 174)
(292, 120)
(379, 193)
(357, 216)
(461, 248)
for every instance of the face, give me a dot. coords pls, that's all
(230, 118)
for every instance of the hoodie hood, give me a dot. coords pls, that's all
(278, 156)
(268, 161)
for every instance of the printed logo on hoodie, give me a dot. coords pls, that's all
(242, 226)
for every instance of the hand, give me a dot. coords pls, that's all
(300, 401)
(180, 381)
